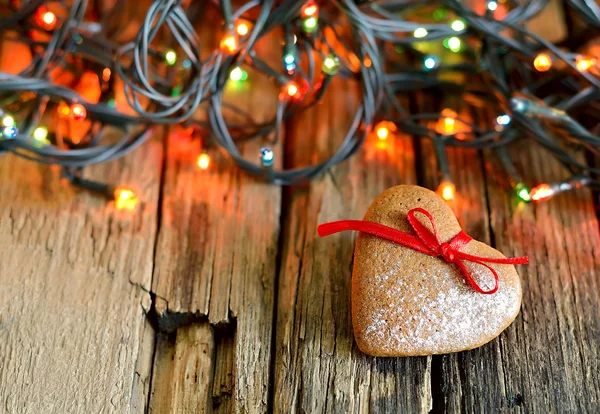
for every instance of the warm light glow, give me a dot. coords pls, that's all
(46, 19)
(63, 110)
(125, 199)
(309, 9)
(447, 190)
(542, 62)
(292, 90)
(78, 112)
(8, 121)
(204, 161)
(242, 29)
(492, 5)
(583, 63)
(230, 44)
(40, 133)
(106, 73)
(382, 131)
(367, 62)
(541, 192)
(449, 125)
(420, 32)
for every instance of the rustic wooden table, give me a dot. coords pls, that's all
(217, 294)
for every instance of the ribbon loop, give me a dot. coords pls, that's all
(427, 242)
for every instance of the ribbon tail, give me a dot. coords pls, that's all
(472, 281)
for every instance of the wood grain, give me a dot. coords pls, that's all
(217, 248)
(318, 367)
(75, 277)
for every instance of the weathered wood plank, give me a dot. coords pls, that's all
(183, 371)
(550, 355)
(75, 275)
(217, 247)
(318, 368)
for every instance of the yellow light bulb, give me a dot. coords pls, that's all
(242, 29)
(447, 190)
(584, 64)
(125, 199)
(204, 161)
(542, 62)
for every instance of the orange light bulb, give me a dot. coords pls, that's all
(78, 112)
(242, 29)
(382, 132)
(229, 44)
(541, 192)
(542, 62)
(64, 111)
(203, 161)
(292, 90)
(447, 190)
(125, 199)
(584, 64)
(106, 73)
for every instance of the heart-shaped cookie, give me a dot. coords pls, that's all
(407, 303)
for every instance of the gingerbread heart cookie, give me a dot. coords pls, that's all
(421, 286)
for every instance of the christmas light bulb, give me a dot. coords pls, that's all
(310, 24)
(492, 5)
(78, 112)
(330, 65)
(454, 44)
(289, 62)
(8, 121)
(542, 62)
(238, 74)
(45, 19)
(430, 62)
(171, 57)
(242, 29)
(382, 131)
(458, 25)
(203, 161)
(449, 125)
(40, 133)
(229, 44)
(9, 132)
(106, 74)
(420, 32)
(267, 156)
(447, 190)
(64, 110)
(309, 9)
(292, 90)
(541, 192)
(125, 199)
(522, 192)
(584, 63)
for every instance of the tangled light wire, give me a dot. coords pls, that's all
(538, 90)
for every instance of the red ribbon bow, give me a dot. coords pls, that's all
(425, 242)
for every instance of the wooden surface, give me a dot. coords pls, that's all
(216, 295)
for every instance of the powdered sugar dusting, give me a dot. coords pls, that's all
(425, 306)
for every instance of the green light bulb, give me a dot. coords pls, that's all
(171, 57)
(330, 65)
(310, 24)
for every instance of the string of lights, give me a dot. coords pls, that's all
(481, 53)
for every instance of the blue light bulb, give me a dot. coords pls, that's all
(430, 62)
(266, 156)
(10, 132)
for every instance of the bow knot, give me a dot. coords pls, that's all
(428, 242)
(446, 252)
